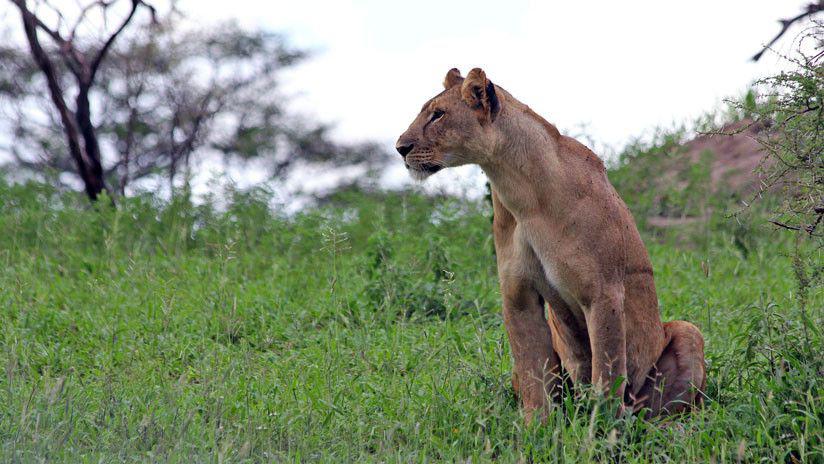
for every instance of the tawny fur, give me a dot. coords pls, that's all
(562, 236)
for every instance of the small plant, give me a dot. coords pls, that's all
(391, 284)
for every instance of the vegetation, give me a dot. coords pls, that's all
(792, 106)
(153, 99)
(366, 329)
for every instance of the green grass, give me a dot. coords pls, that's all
(365, 330)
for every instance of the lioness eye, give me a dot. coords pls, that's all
(436, 114)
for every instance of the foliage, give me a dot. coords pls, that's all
(166, 331)
(170, 96)
(791, 106)
(636, 176)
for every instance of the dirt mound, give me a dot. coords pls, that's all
(686, 182)
(735, 152)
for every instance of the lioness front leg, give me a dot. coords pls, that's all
(607, 339)
(537, 368)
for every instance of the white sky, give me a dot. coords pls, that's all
(618, 68)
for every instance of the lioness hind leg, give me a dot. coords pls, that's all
(679, 377)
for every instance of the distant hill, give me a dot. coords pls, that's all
(735, 157)
(676, 181)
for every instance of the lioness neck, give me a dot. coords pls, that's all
(526, 169)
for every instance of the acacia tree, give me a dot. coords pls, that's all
(83, 64)
(790, 108)
(171, 97)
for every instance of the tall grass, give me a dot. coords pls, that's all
(367, 329)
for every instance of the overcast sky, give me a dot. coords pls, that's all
(618, 68)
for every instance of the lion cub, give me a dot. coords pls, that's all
(563, 236)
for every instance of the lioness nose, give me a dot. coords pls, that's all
(404, 149)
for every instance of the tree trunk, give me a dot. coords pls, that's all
(93, 180)
(84, 122)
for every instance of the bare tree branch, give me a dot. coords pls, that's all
(83, 12)
(810, 10)
(53, 33)
(106, 46)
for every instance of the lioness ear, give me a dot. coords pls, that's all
(479, 93)
(453, 78)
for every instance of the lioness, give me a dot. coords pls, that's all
(562, 236)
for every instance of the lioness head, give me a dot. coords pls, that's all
(453, 128)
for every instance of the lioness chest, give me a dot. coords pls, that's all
(546, 264)
(544, 259)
